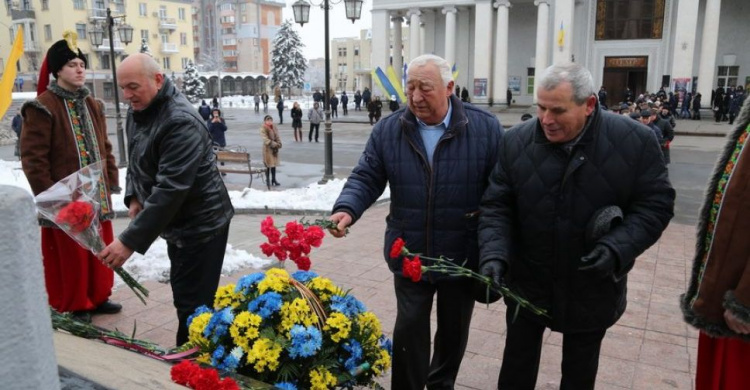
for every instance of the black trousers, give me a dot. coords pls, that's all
(194, 276)
(346, 109)
(412, 368)
(316, 127)
(281, 117)
(523, 349)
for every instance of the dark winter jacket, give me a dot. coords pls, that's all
(173, 174)
(393, 105)
(17, 124)
(344, 99)
(334, 102)
(366, 96)
(666, 133)
(433, 208)
(535, 214)
(216, 130)
(737, 100)
(205, 111)
(357, 98)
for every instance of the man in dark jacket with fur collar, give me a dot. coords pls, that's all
(174, 188)
(576, 196)
(436, 155)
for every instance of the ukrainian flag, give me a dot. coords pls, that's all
(9, 75)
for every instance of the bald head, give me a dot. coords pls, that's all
(140, 78)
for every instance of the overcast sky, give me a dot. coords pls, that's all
(313, 33)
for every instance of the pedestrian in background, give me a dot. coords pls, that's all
(717, 301)
(568, 237)
(204, 110)
(256, 101)
(280, 107)
(216, 128)
(344, 103)
(334, 102)
(393, 104)
(264, 100)
(297, 122)
(315, 115)
(375, 109)
(177, 193)
(17, 125)
(271, 146)
(357, 101)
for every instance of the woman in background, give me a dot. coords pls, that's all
(271, 145)
(297, 122)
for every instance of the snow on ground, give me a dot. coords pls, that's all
(154, 265)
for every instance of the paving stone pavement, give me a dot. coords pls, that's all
(650, 347)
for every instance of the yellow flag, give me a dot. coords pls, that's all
(9, 75)
(561, 36)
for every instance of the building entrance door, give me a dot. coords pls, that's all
(621, 72)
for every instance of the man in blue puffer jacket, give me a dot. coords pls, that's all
(436, 155)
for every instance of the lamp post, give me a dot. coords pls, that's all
(302, 15)
(126, 36)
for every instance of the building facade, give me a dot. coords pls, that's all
(641, 44)
(164, 24)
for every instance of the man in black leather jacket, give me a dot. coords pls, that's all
(173, 188)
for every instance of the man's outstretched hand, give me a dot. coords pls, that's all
(495, 270)
(342, 220)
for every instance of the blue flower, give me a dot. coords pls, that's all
(219, 324)
(226, 362)
(347, 305)
(285, 386)
(305, 341)
(246, 282)
(304, 276)
(200, 310)
(355, 354)
(386, 344)
(266, 304)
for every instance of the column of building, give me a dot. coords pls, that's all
(684, 40)
(542, 41)
(563, 29)
(482, 50)
(397, 46)
(450, 34)
(414, 33)
(709, 43)
(500, 76)
(381, 46)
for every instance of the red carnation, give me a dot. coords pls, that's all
(314, 236)
(303, 263)
(76, 215)
(280, 253)
(397, 249)
(267, 248)
(181, 372)
(304, 247)
(229, 384)
(412, 268)
(294, 230)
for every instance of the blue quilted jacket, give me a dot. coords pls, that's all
(435, 209)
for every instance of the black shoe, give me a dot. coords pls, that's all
(108, 307)
(81, 316)
(316, 140)
(275, 183)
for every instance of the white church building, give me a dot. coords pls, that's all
(501, 44)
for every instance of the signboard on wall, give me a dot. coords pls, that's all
(625, 62)
(514, 83)
(480, 87)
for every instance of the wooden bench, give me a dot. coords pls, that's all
(238, 161)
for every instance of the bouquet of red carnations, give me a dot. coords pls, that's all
(72, 204)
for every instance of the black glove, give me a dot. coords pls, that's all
(493, 269)
(600, 263)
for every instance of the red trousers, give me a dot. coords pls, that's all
(76, 279)
(722, 363)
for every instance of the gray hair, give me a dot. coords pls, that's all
(443, 66)
(579, 78)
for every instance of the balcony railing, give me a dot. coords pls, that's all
(119, 47)
(31, 46)
(167, 47)
(97, 14)
(168, 23)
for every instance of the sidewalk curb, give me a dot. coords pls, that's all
(272, 211)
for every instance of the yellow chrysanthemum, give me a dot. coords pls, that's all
(195, 331)
(276, 279)
(297, 312)
(339, 326)
(321, 379)
(204, 358)
(264, 354)
(225, 296)
(244, 329)
(369, 322)
(383, 363)
(324, 288)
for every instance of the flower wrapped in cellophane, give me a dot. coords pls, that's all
(297, 331)
(72, 205)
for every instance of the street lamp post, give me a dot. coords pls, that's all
(126, 36)
(302, 15)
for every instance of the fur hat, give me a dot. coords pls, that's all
(63, 51)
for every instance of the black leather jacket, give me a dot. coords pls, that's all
(173, 174)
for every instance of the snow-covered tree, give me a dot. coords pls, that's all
(144, 46)
(288, 65)
(192, 86)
